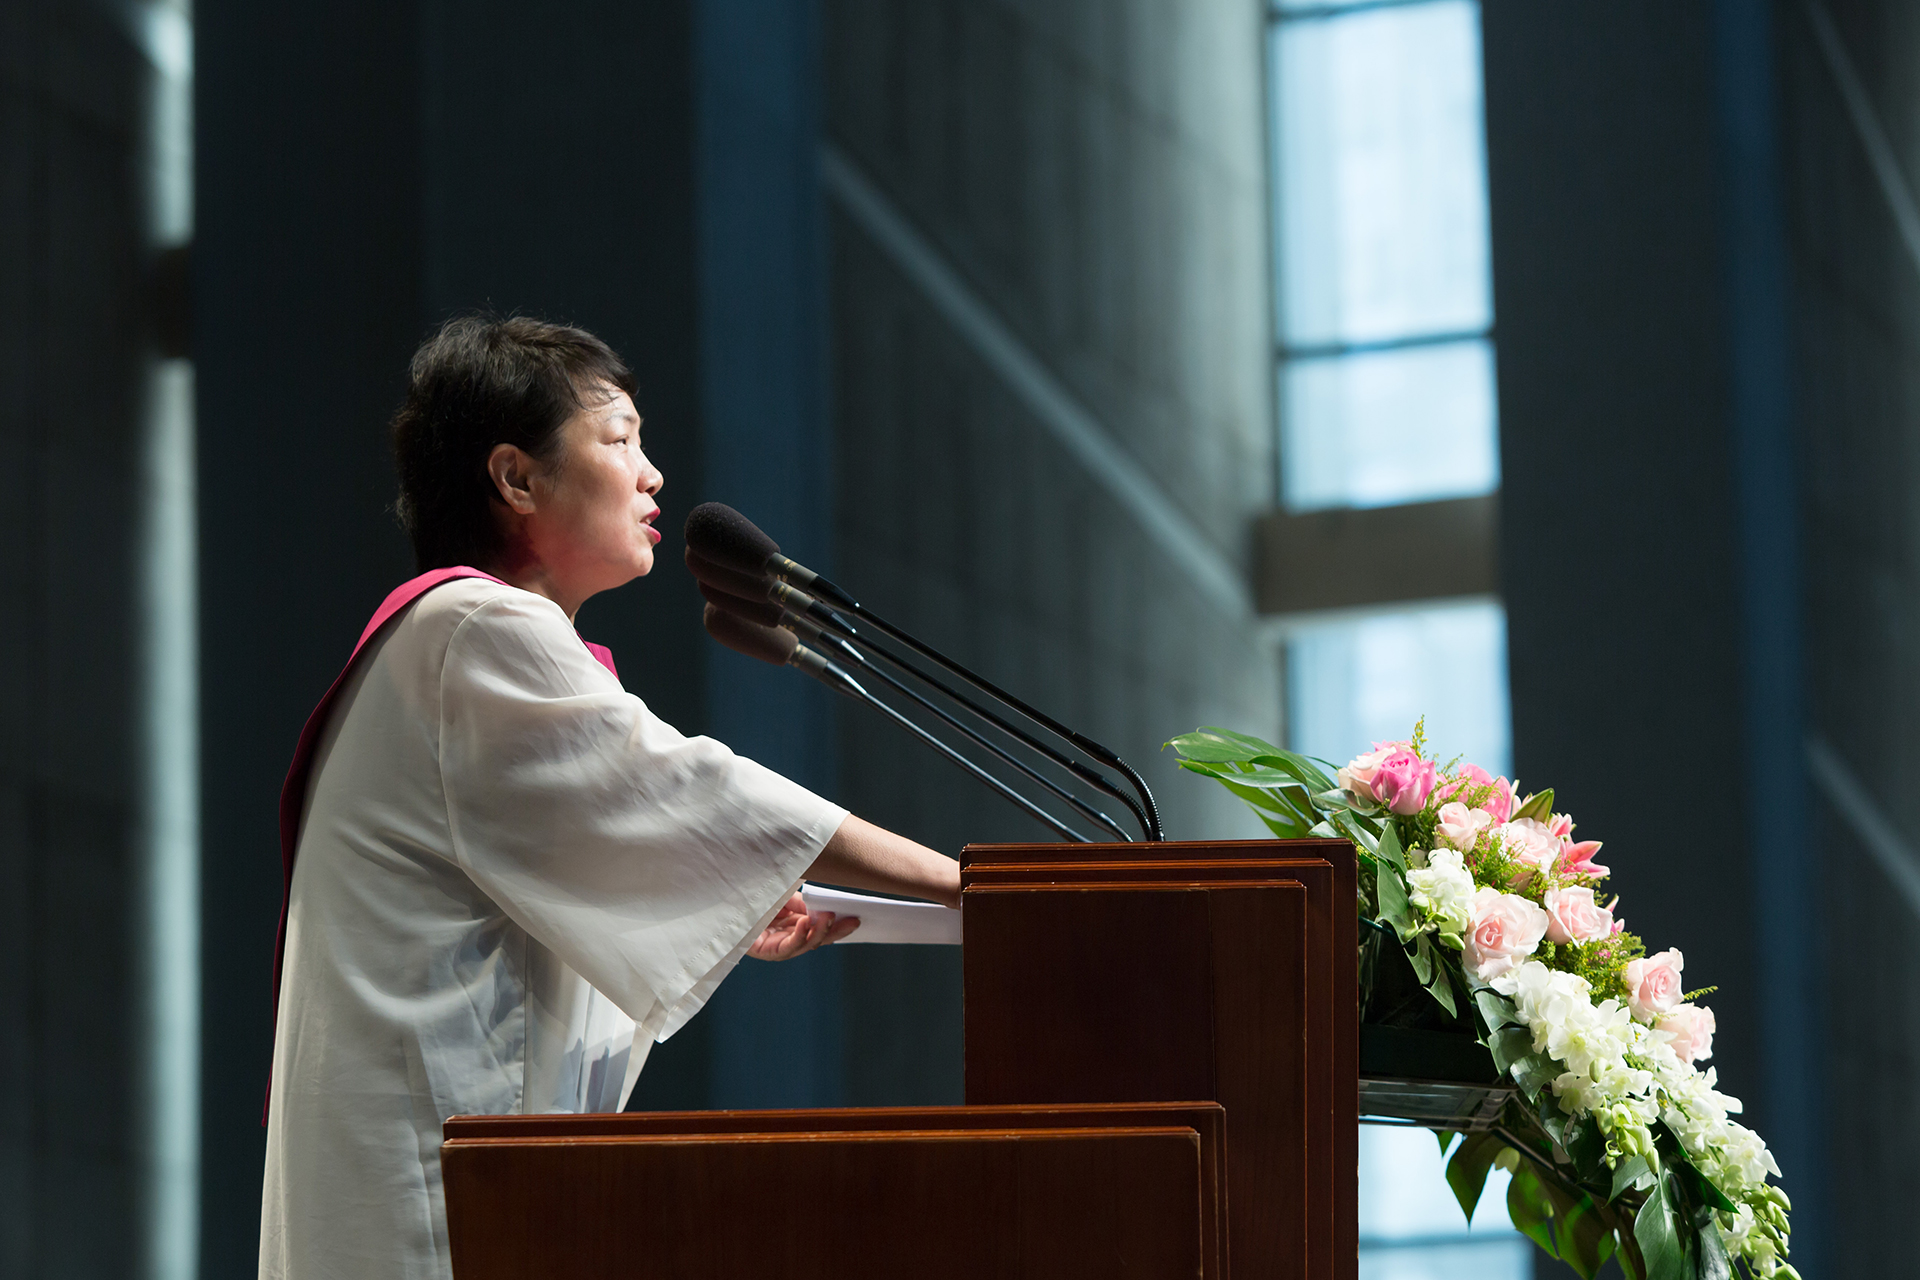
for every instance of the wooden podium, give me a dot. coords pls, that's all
(1161, 1080)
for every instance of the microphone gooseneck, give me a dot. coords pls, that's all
(742, 571)
(751, 586)
(780, 647)
(761, 611)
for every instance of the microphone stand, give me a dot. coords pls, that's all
(836, 678)
(813, 633)
(734, 557)
(799, 603)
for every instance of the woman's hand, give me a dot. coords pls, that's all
(795, 931)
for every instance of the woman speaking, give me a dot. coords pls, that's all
(506, 878)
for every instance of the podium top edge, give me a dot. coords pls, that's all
(1169, 846)
(807, 1136)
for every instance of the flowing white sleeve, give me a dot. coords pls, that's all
(645, 859)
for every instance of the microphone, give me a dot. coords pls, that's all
(730, 548)
(761, 612)
(768, 644)
(730, 540)
(780, 647)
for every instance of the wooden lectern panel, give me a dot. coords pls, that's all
(1206, 1119)
(1018, 1204)
(1083, 976)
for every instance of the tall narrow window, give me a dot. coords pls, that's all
(1385, 300)
(1385, 392)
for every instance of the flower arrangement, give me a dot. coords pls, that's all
(1619, 1144)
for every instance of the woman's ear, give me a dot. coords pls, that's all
(512, 471)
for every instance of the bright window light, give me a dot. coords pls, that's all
(1411, 1227)
(1383, 305)
(1381, 175)
(1384, 427)
(1354, 682)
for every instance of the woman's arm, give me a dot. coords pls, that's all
(859, 856)
(863, 856)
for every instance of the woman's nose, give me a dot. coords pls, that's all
(651, 480)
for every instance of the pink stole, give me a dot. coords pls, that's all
(293, 795)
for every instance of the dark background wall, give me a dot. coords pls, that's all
(78, 338)
(1075, 207)
(1852, 156)
(1651, 500)
(1618, 491)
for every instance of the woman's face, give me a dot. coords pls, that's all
(586, 517)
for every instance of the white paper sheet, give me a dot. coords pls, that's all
(888, 920)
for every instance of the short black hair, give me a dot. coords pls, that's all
(479, 382)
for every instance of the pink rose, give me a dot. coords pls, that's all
(1500, 803)
(1460, 827)
(1505, 930)
(1653, 984)
(1575, 917)
(1530, 844)
(1692, 1030)
(1360, 771)
(1470, 778)
(1404, 781)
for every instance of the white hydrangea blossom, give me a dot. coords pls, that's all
(1443, 889)
(1627, 1076)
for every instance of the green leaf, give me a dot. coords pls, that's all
(1446, 1138)
(1629, 1260)
(1658, 1235)
(1256, 776)
(1634, 1174)
(1538, 807)
(1711, 1252)
(1496, 1009)
(1394, 907)
(1699, 1188)
(1580, 1232)
(1547, 1111)
(1283, 803)
(1214, 743)
(1281, 828)
(1588, 1147)
(1535, 1072)
(1442, 992)
(1529, 1208)
(1508, 1046)
(1467, 1171)
(1389, 848)
(1421, 954)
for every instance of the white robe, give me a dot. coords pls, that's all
(512, 879)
